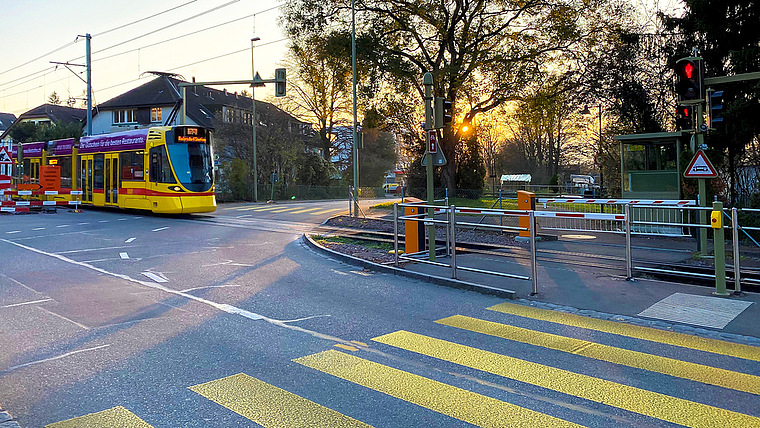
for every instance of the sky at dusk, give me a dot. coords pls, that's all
(36, 32)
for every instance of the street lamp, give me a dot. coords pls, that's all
(355, 137)
(599, 148)
(253, 123)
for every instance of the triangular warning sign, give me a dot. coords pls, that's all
(5, 157)
(700, 167)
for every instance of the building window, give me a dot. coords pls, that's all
(124, 116)
(155, 114)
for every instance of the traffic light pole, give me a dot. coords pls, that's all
(427, 82)
(699, 141)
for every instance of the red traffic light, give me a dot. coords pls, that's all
(690, 85)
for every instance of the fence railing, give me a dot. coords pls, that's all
(625, 223)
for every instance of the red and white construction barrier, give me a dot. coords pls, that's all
(14, 209)
(5, 183)
(664, 202)
(585, 216)
(39, 192)
(37, 203)
(551, 214)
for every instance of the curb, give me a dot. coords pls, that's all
(437, 280)
(7, 421)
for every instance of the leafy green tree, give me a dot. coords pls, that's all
(481, 54)
(471, 170)
(319, 85)
(236, 183)
(54, 99)
(25, 132)
(313, 170)
(727, 35)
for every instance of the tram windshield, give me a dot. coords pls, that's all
(192, 161)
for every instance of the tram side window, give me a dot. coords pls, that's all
(98, 173)
(132, 166)
(160, 169)
(65, 163)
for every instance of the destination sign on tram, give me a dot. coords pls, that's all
(191, 135)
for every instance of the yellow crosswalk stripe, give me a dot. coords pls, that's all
(111, 418)
(669, 366)
(648, 403)
(652, 334)
(281, 210)
(325, 211)
(270, 406)
(457, 403)
(306, 210)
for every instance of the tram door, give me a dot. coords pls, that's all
(112, 178)
(86, 177)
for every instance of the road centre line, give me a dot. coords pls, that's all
(82, 224)
(39, 228)
(13, 231)
(640, 360)
(209, 286)
(457, 403)
(10, 369)
(63, 225)
(714, 346)
(270, 406)
(25, 303)
(102, 221)
(160, 229)
(220, 306)
(653, 404)
(129, 240)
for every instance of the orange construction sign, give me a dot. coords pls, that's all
(50, 177)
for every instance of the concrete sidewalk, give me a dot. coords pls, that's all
(602, 291)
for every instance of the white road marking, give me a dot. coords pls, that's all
(102, 221)
(19, 283)
(159, 229)
(39, 228)
(220, 306)
(87, 250)
(64, 318)
(13, 231)
(129, 240)
(339, 272)
(26, 303)
(124, 255)
(82, 224)
(55, 358)
(154, 277)
(121, 219)
(244, 216)
(63, 225)
(210, 286)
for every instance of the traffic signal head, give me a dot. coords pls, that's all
(690, 79)
(442, 113)
(715, 108)
(685, 118)
(280, 83)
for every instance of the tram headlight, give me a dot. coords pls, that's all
(176, 188)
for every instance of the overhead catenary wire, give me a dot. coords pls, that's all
(143, 19)
(213, 9)
(76, 39)
(51, 70)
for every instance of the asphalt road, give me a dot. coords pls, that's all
(112, 319)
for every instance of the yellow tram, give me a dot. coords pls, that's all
(161, 169)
